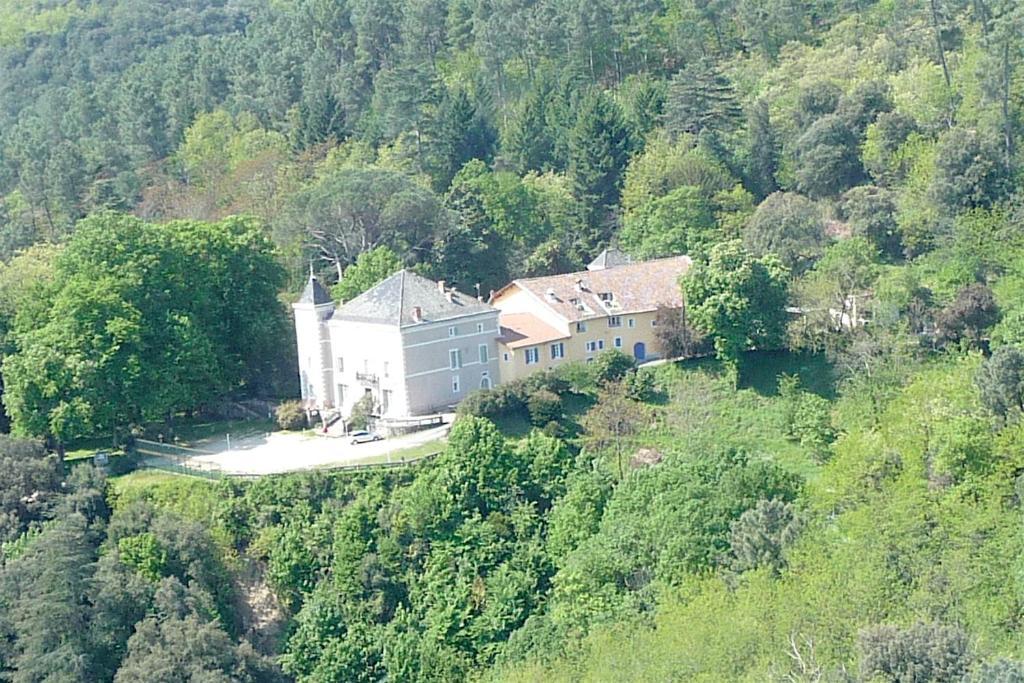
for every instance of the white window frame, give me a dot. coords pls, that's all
(618, 342)
(485, 381)
(453, 331)
(505, 356)
(557, 350)
(632, 322)
(615, 321)
(532, 355)
(479, 328)
(454, 359)
(485, 353)
(581, 326)
(456, 384)
(341, 364)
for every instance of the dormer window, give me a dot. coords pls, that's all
(606, 297)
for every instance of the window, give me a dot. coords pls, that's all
(595, 345)
(385, 401)
(479, 328)
(606, 297)
(341, 395)
(632, 322)
(504, 356)
(455, 359)
(341, 364)
(452, 331)
(581, 327)
(484, 355)
(615, 321)
(386, 364)
(485, 381)
(456, 387)
(557, 351)
(654, 323)
(618, 342)
(532, 355)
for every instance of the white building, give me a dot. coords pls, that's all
(414, 345)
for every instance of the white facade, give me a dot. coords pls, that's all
(416, 347)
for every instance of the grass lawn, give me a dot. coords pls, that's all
(409, 454)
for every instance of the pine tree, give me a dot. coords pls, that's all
(461, 133)
(763, 154)
(700, 98)
(600, 145)
(529, 144)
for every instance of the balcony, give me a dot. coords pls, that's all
(367, 379)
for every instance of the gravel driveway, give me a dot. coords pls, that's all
(280, 452)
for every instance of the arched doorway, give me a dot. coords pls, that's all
(485, 382)
(639, 351)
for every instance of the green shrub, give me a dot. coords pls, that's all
(544, 406)
(290, 416)
(612, 365)
(359, 418)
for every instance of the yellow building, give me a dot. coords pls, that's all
(548, 321)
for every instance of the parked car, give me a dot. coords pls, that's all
(363, 436)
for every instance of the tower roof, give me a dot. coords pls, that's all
(394, 301)
(315, 293)
(610, 258)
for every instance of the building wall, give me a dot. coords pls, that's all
(430, 379)
(314, 349)
(516, 300)
(367, 358)
(513, 361)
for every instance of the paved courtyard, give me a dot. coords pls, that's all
(280, 452)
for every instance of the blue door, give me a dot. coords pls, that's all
(639, 351)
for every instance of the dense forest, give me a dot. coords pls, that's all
(830, 490)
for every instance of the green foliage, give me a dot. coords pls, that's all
(370, 268)
(144, 554)
(761, 534)
(290, 415)
(144, 320)
(789, 226)
(612, 366)
(923, 652)
(1001, 382)
(737, 300)
(361, 413)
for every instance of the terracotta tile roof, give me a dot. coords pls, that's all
(526, 329)
(633, 288)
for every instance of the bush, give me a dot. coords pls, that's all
(920, 653)
(361, 411)
(807, 417)
(544, 406)
(580, 377)
(291, 416)
(612, 366)
(640, 385)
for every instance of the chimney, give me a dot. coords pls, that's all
(440, 286)
(579, 285)
(450, 295)
(417, 314)
(490, 297)
(551, 294)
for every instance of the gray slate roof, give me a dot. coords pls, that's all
(314, 293)
(610, 258)
(392, 301)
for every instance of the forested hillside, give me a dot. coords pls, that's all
(829, 490)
